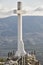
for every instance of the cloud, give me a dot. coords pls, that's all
(5, 12)
(36, 11)
(39, 9)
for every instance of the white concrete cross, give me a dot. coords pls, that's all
(20, 50)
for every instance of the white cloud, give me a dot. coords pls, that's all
(37, 11)
(5, 12)
(39, 8)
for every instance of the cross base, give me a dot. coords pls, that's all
(20, 51)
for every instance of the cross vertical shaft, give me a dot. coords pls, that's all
(19, 23)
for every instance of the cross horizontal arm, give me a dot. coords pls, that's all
(19, 12)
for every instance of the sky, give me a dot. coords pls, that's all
(26, 3)
(34, 7)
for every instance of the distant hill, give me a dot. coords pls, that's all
(30, 24)
(8, 26)
(32, 28)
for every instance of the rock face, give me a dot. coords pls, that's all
(28, 59)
